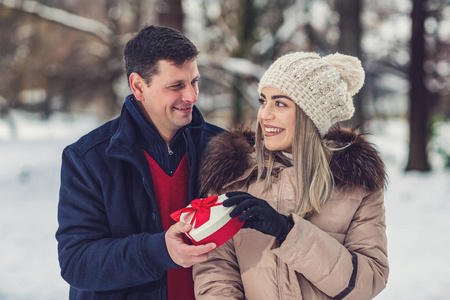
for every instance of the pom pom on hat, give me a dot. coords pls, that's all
(322, 87)
(350, 69)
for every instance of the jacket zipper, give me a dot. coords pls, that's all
(169, 150)
(278, 266)
(280, 288)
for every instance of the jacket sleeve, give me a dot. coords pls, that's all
(219, 276)
(90, 258)
(358, 269)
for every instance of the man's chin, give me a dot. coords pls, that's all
(184, 121)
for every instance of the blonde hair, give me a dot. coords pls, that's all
(311, 159)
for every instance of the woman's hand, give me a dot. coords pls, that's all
(259, 215)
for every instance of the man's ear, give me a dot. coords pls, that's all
(137, 84)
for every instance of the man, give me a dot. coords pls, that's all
(120, 182)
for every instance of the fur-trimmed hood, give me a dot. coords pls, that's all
(229, 155)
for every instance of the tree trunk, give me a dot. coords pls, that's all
(171, 14)
(247, 22)
(349, 44)
(418, 119)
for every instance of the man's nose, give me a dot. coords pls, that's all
(190, 94)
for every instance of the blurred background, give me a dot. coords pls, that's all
(62, 75)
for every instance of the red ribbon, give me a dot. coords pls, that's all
(202, 208)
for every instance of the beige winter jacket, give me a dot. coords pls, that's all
(337, 254)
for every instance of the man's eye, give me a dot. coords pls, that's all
(177, 86)
(261, 101)
(195, 81)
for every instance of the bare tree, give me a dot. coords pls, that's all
(171, 14)
(349, 43)
(76, 50)
(252, 35)
(419, 95)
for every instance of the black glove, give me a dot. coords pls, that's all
(259, 215)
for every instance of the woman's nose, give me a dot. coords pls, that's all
(266, 112)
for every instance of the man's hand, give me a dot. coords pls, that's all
(181, 253)
(259, 215)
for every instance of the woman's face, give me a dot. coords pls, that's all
(276, 116)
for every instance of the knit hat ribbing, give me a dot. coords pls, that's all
(322, 86)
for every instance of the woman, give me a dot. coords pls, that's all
(315, 228)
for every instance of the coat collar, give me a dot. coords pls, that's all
(125, 145)
(230, 157)
(126, 140)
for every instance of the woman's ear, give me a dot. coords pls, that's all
(137, 84)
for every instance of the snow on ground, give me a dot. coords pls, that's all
(418, 221)
(417, 211)
(29, 186)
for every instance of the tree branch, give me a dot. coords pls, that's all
(236, 66)
(61, 17)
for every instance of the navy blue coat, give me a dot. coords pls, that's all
(110, 238)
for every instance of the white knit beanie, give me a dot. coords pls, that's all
(322, 86)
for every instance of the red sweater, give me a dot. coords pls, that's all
(171, 195)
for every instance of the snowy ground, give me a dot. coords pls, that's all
(417, 208)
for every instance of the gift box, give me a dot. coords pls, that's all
(210, 220)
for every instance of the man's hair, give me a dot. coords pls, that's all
(152, 44)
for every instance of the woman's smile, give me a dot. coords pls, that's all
(271, 130)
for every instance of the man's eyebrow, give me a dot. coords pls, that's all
(175, 82)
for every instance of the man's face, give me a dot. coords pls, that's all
(169, 99)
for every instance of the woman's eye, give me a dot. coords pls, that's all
(280, 104)
(261, 101)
